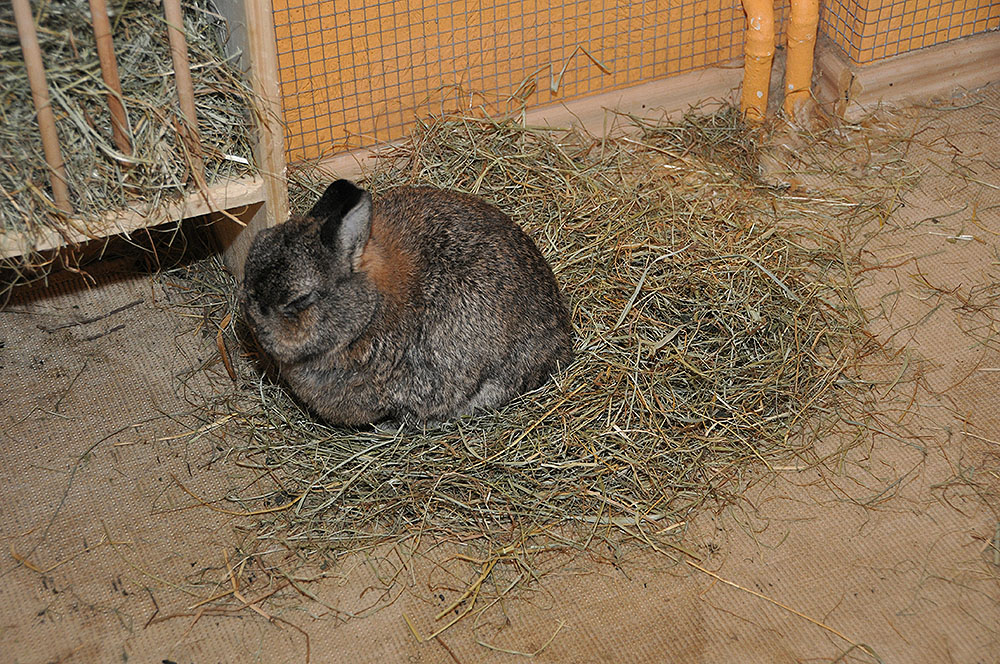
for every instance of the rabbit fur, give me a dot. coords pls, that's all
(421, 306)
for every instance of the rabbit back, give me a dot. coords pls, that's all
(488, 317)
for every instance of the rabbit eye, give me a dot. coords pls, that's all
(300, 304)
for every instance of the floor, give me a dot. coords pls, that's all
(890, 553)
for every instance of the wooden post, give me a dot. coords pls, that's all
(271, 138)
(802, 23)
(759, 53)
(43, 107)
(109, 72)
(185, 87)
(251, 26)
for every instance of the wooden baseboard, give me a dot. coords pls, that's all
(227, 195)
(667, 96)
(852, 90)
(595, 113)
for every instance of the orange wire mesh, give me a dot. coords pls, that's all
(869, 30)
(354, 76)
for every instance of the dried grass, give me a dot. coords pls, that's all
(717, 336)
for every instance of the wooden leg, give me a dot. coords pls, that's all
(234, 239)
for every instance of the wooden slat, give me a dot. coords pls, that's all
(188, 125)
(109, 72)
(227, 195)
(43, 108)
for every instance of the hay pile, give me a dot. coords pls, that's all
(716, 333)
(101, 178)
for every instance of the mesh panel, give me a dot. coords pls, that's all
(358, 76)
(869, 30)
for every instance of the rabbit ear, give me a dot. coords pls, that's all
(346, 213)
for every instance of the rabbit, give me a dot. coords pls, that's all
(419, 307)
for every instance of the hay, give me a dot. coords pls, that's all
(716, 336)
(101, 178)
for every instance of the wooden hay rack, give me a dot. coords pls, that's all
(255, 199)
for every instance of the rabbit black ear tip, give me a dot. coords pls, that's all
(344, 189)
(339, 197)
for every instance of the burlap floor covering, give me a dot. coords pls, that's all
(105, 559)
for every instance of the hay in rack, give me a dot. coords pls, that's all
(101, 178)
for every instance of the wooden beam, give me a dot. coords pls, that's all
(251, 25)
(227, 195)
(271, 128)
(852, 90)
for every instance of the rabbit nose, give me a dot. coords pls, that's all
(258, 308)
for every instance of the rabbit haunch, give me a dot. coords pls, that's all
(424, 305)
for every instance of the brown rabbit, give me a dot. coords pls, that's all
(422, 306)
